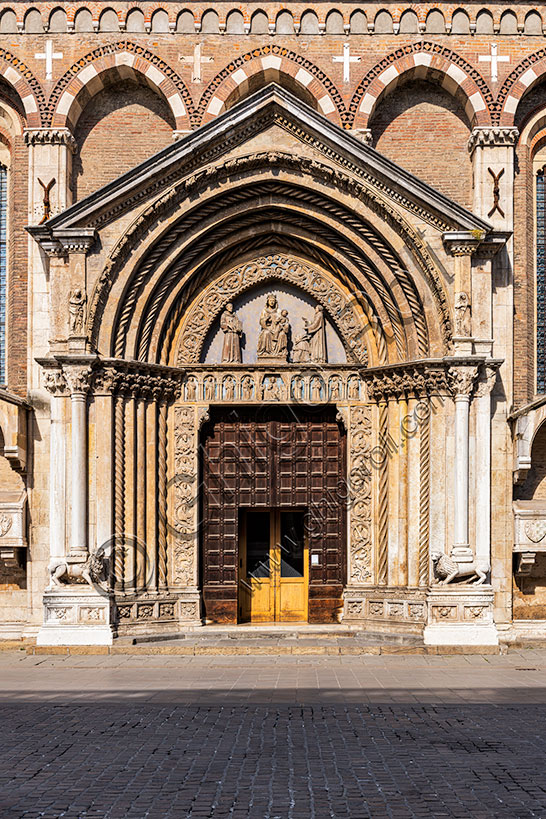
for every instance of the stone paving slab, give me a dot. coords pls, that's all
(260, 737)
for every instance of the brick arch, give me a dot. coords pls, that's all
(26, 86)
(522, 79)
(305, 73)
(429, 61)
(84, 78)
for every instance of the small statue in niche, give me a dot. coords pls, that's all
(316, 332)
(316, 389)
(298, 388)
(247, 388)
(270, 389)
(229, 389)
(209, 389)
(191, 389)
(354, 389)
(462, 314)
(233, 330)
(335, 393)
(76, 310)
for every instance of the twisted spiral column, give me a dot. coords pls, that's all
(424, 500)
(383, 500)
(119, 492)
(162, 565)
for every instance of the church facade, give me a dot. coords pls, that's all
(272, 319)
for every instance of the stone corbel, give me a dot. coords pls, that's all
(526, 422)
(475, 242)
(63, 242)
(529, 534)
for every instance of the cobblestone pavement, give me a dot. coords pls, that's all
(275, 737)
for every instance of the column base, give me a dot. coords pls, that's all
(75, 616)
(460, 616)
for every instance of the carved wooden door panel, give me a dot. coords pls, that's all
(273, 458)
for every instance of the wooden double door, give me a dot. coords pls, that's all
(273, 566)
(265, 472)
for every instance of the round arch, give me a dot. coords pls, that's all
(404, 293)
(423, 61)
(525, 76)
(79, 84)
(241, 71)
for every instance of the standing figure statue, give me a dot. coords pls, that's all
(274, 332)
(76, 308)
(462, 314)
(233, 330)
(316, 333)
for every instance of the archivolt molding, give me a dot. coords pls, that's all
(516, 85)
(169, 201)
(352, 325)
(456, 68)
(125, 52)
(285, 56)
(20, 77)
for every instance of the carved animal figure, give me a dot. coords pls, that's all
(61, 568)
(446, 569)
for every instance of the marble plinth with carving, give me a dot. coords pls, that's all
(460, 615)
(75, 615)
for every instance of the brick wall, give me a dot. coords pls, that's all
(119, 128)
(422, 128)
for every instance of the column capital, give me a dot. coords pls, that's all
(50, 136)
(462, 379)
(55, 382)
(492, 137)
(487, 378)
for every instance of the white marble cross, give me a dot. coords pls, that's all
(196, 61)
(346, 59)
(494, 59)
(49, 55)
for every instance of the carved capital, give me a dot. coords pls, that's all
(55, 382)
(487, 379)
(489, 137)
(462, 380)
(78, 378)
(51, 136)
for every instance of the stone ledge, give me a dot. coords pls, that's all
(214, 650)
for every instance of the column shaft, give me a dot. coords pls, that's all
(461, 472)
(79, 474)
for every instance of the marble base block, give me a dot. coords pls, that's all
(75, 616)
(460, 615)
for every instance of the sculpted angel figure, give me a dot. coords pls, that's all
(233, 329)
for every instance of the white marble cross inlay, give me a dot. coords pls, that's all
(49, 55)
(494, 59)
(196, 61)
(346, 59)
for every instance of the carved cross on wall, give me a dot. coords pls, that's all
(47, 200)
(196, 61)
(49, 55)
(496, 192)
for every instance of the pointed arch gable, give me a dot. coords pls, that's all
(84, 80)
(426, 61)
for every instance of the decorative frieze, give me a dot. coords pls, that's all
(387, 608)
(460, 615)
(407, 381)
(185, 497)
(360, 496)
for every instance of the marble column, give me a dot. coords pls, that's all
(462, 379)
(78, 383)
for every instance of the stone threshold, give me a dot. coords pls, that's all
(265, 650)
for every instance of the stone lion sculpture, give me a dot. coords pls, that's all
(446, 569)
(65, 569)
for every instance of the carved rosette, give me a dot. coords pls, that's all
(360, 498)
(185, 497)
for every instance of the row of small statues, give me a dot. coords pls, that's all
(275, 336)
(272, 388)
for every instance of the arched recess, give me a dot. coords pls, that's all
(139, 301)
(79, 85)
(423, 128)
(306, 76)
(423, 60)
(518, 87)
